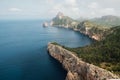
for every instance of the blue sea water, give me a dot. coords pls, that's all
(23, 50)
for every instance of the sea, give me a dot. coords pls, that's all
(23, 49)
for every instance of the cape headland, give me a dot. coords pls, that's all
(97, 61)
(76, 68)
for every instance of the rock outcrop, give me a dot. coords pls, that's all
(60, 20)
(45, 24)
(88, 27)
(78, 69)
(94, 31)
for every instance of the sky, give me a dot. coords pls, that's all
(46, 9)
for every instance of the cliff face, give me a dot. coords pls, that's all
(93, 30)
(78, 69)
(63, 21)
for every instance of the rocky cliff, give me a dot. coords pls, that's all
(78, 69)
(97, 32)
(60, 20)
(94, 31)
(91, 28)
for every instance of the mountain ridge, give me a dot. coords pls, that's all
(95, 28)
(63, 21)
(104, 52)
(108, 20)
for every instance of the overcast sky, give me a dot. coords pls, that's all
(20, 9)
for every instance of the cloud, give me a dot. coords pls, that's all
(81, 8)
(67, 7)
(93, 5)
(103, 11)
(72, 3)
(97, 10)
(15, 10)
(108, 11)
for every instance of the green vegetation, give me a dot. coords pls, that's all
(91, 24)
(93, 29)
(105, 54)
(62, 21)
(108, 20)
(65, 20)
(55, 43)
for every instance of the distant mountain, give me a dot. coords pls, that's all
(108, 20)
(96, 28)
(63, 21)
(80, 19)
(88, 27)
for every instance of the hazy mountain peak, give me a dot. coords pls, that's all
(108, 20)
(110, 17)
(60, 15)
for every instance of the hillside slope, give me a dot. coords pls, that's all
(76, 68)
(93, 30)
(108, 20)
(87, 27)
(105, 53)
(63, 21)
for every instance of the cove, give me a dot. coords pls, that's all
(23, 50)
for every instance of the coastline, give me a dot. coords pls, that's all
(84, 33)
(76, 68)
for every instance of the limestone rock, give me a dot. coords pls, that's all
(78, 69)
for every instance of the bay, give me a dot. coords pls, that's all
(23, 50)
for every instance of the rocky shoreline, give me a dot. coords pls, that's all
(76, 68)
